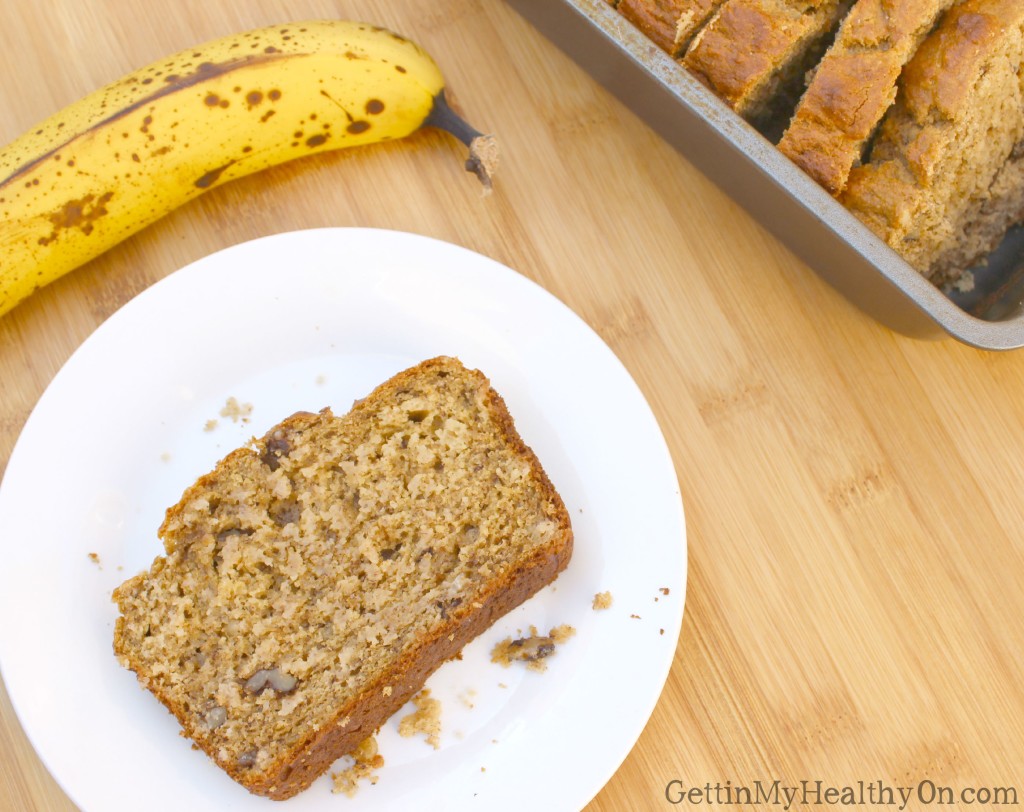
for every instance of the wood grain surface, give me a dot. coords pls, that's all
(853, 497)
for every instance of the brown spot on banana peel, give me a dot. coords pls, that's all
(81, 214)
(483, 149)
(211, 177)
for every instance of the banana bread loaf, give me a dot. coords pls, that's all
(854, 85)
(957, 119)
(313, 581)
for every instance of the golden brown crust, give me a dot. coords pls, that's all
(655, 18)
(358, 717)
(854, 85)
(734, 50)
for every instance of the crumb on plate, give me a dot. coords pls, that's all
(426, 719)
(365, 760)
(603, 600)
(236, 411)
(532, 650)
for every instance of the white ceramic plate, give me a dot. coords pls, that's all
(301, 321)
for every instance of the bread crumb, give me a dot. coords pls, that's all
(94, 558)
(467, 697)
(236, 411)
(532, 650)
(603, 600)
(387, 690)
(562, 633)
(965, 283)
(635, 617)
(664, 590)
(210, 425)
(365, 760)
(426, 719)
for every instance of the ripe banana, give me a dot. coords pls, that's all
(124, 156)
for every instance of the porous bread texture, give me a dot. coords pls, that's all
(751, 52)
(854, 85)
(957, 119)
(314, 580)
(987, 220)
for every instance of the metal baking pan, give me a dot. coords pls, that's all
(748, 167)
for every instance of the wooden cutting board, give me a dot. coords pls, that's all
(853, 497)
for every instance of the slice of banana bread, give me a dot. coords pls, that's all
(753, 53)
(955, 124)
(314, 580)
(854, 85)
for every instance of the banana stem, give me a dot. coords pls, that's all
(483, 149)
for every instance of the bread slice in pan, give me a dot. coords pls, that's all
(313, 581)
(854, 85)
(957, 120)
(752, 53)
